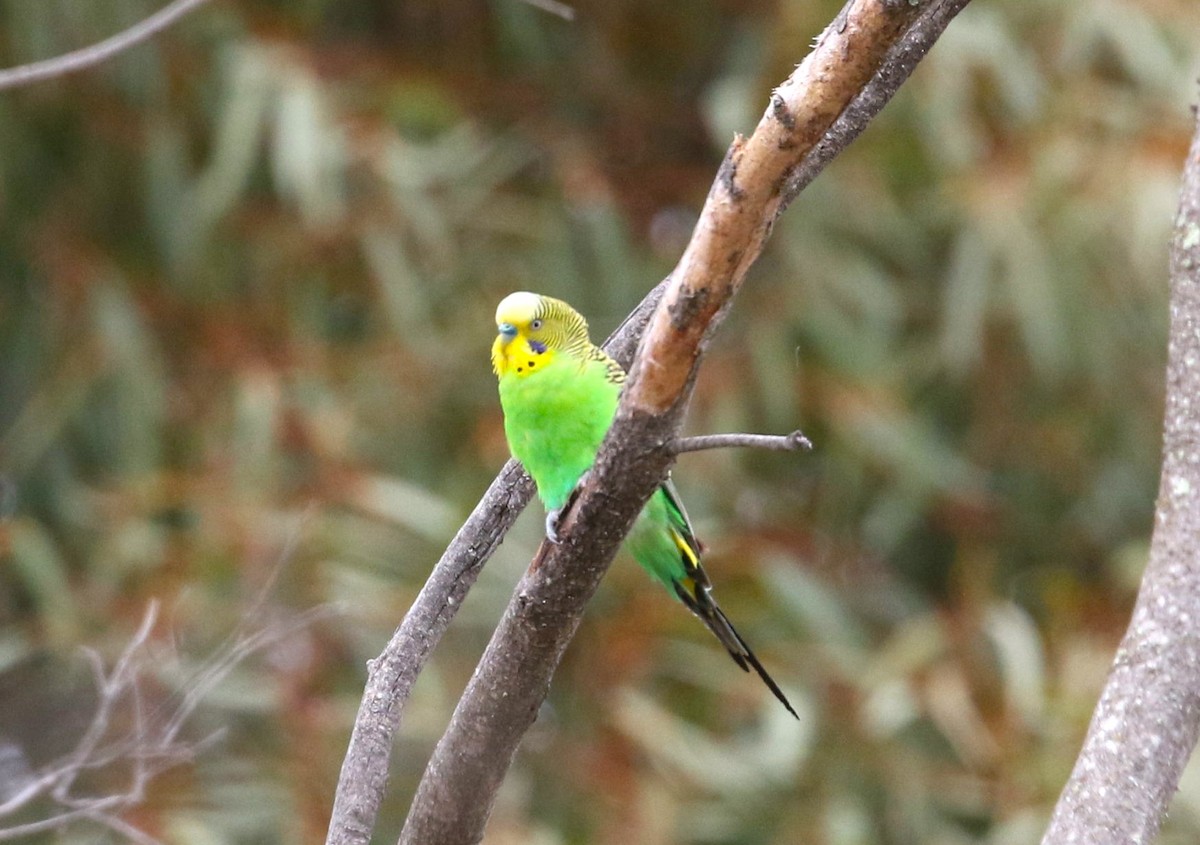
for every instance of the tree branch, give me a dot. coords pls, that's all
(774, 442)
(456, 794)
(95, 54)
(901, 61)
(1148, 718)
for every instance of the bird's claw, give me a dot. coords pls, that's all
(553, 517)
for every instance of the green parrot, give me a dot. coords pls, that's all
(559, 394)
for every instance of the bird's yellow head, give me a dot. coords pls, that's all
(533, 329)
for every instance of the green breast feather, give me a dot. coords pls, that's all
(555, 420)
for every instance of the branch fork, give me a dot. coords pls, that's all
(860, 62)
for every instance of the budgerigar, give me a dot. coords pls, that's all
(559, 394)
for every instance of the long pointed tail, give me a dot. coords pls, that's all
(701, 603)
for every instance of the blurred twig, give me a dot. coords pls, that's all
(56, 781)
(774, 442)
(152, 742)
(8, 497)
(554, 7)
(87, 57)
(455, 796)
(1148, 717)
(148, 752)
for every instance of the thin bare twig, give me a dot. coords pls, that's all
(124, 828)
(109, 690)
(87, 57)
(55, 822)
(149, 745)
(225, 659)
(57, 780)
(796, 441)
(562, 10)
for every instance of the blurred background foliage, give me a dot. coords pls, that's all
(247, 276)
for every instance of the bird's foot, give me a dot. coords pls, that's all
(553, 517)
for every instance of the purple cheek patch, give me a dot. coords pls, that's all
(537, 346)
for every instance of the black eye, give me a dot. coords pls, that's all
(535, 325)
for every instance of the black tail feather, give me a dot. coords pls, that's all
(703, 605)
(748, 656)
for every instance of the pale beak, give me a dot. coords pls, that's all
(507, 331)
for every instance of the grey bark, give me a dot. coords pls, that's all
(1146, 723)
